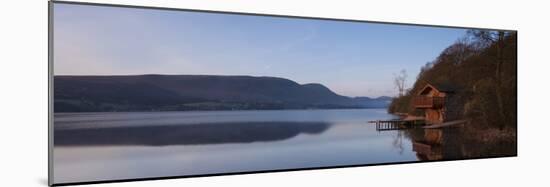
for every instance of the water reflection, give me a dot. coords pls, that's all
(455, 143)
(194, 134)
(436, 144)
(108, 145)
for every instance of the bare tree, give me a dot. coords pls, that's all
(399, 81)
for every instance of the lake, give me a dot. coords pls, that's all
(126, 145)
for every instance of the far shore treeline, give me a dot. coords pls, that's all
(196, 92)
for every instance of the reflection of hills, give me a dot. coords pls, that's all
(212, 133)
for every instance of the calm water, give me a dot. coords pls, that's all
(108, 146)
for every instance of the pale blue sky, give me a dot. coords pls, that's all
(351, 58)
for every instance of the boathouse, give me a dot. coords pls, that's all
(436, 100)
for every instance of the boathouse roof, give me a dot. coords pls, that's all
(445, 88)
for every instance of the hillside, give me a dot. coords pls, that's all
(483, 73)
(195, 92)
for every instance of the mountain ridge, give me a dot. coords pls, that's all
(152, 92)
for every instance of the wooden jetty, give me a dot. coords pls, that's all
(387, 125)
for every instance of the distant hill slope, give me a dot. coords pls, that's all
(196, 92)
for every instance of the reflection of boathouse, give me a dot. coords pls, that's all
(429, 147)
(439, 144)
(437, 102)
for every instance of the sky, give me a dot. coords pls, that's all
(350, 58)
